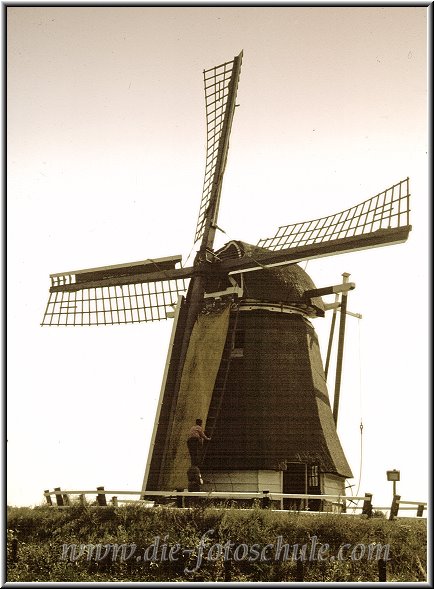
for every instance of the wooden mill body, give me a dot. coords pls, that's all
(269, 413)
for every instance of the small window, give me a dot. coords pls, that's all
(314, 476)
(238, 344)
(237, 353)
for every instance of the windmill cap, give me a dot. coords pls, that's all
(281, 284)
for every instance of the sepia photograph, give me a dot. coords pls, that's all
(217, 278)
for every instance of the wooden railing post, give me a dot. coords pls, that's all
(59, 497)
(101, 498)
(115, 501)
(420, 509)
(395, 507)
(367, 505)
(266, 501)
(82, 499)
(179, 498)
(48, 497)
(299, 570)
(66, 499)
(382, 570)
(227, 564)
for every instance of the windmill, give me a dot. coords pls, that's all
(243, 354)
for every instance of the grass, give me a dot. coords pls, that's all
(36, 537)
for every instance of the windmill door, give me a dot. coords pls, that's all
(294, 482)
(299, 479)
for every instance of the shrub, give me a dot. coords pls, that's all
(41, 533)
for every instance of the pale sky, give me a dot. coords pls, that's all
(106, 155)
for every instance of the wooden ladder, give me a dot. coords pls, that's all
(222, 376)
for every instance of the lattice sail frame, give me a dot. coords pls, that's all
(111, 305)
(387, 210)
(217, 81)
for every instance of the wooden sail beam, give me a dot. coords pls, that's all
(268, 259)
(126, 268)
(164, 275)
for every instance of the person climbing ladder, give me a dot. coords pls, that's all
(195, 443)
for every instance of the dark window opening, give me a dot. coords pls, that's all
(313, 478)
(238, 344)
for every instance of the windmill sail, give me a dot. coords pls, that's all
(148, 290)
(389, 209)
(221, 83)
(381, 220)
(124, 293)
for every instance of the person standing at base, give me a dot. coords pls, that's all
(195, 442)
(194, 484)
(194, 478)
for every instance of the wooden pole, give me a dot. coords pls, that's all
(299, 573)
(266, 503)
(340, 357)
(48, 497)
(367, 505)
(228, 570)
(59, 497)
(101, 498)
(179, 498)
(394, 507)
(332, 331)
(382, 570)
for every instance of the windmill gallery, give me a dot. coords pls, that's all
(242, 334)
